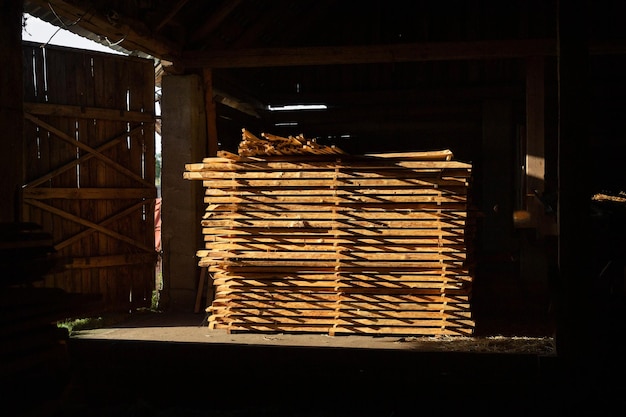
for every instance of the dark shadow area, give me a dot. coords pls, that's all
(229, 379)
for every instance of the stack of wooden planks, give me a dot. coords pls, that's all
(272, 145)
(374, 244)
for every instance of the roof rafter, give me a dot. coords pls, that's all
(130, 34)
(337, 55)
(215, 20)
(171, 14)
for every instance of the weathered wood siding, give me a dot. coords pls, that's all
(89, 169)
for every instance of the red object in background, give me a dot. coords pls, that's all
(157, 225)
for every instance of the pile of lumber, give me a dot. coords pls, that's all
(374, 244)
(272, 145)
(34, 356)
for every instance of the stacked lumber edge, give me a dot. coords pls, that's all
(317, 241)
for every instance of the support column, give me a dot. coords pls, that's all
(184, 141)
(535, 138)
(211, 114)
(11, 110)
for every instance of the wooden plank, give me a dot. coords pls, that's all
(337, 163)
(78, 220)
(109, 220)
(330, 213)
(378, 330)
(57, 91)
(347, 208)
(278, 295)
(83, 95)
(402, 201)
(354, 200)
(445, 234)
(223, 289)
(339, 182)
(352, 321)
(142, 84)
(441, 286)
(327, 224)
(111, 260)
(345, 255)
(330, 173)
(438, 275)
(441, 155)
(254, 246)
(65, 137)
(344, 268)
(221, 304)
(85, 157)
(421, 331)
(267, 241)
(330, 262)
(277, 313)
(416, 52)
(85, 112)
(89, 193)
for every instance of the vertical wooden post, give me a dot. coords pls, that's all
(211, 116)
(535, 137)
(11, 109)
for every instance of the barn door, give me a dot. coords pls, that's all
(90, 165)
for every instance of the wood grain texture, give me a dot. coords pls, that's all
(337, 244)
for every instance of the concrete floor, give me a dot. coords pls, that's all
(192, 328)
(165, 365)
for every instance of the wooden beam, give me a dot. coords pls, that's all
(535, 137)
(47, 109)
(109, 220)
(89, 193)
(66, 138)
(11, 94)
(425, 96)
(211, 115)
(84, 158)
(132, 35)
(215, 20)
(91, 225)
(337, 55)
(111, 260)
(170, 15)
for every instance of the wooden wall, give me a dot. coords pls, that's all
(10, 107)
(89, 169)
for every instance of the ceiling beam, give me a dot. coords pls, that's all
(214, 20)
(340, 55)
(170, 15)
(130, 34)
(416, 95)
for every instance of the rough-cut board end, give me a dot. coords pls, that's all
(442, 155)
